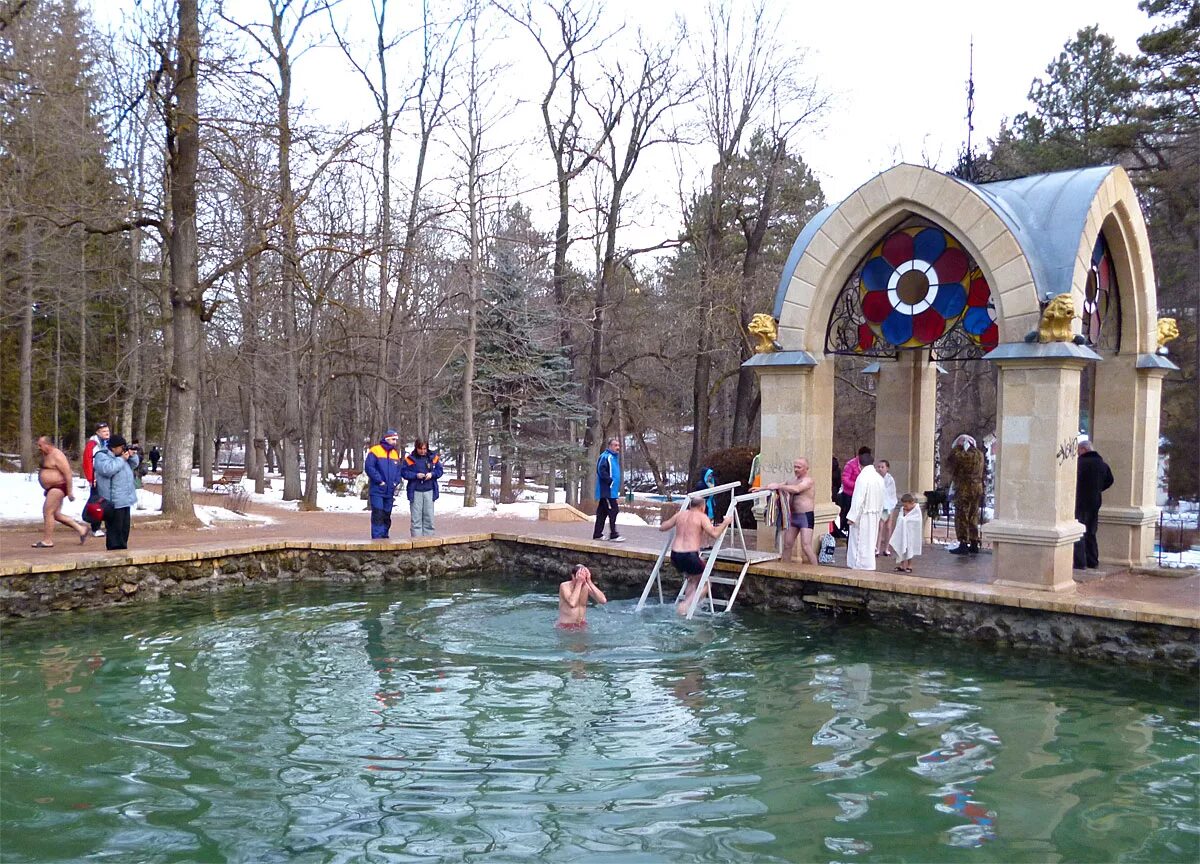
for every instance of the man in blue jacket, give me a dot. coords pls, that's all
(384, 471)
(114, 469)
(608, 490)
(422, 469)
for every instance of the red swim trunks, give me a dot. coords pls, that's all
(62, 486)
(577, 625)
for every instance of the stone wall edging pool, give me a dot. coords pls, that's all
(1099, 629)
(1073, 633)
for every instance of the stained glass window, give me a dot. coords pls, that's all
(1102, 300)
(918, 288)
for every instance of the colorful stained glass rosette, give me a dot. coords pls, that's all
(914, 288)
(979, 321)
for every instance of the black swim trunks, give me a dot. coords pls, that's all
(688, 563)
(804, 520)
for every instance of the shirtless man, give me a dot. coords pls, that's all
(691, 523)
(573, 598)
(800, 517)
(55, 477)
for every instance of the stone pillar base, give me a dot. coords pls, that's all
(1126, 535)
(1033, 556)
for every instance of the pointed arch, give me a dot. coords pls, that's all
(834, 243)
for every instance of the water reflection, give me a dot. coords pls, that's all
(394, 725)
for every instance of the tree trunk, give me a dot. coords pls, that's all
(700, 405)
(485, 463)
(187, 302)
(292, 431)
(506, 455)
(205, 435)
(83, 355)
(26, 361)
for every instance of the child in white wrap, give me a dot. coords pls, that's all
(906, 539)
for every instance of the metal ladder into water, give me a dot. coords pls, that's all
(740, 553)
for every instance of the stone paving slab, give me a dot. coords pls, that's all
(1114, 595)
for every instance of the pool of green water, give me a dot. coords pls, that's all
(456, 724)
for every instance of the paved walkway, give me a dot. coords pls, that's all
(936, 572)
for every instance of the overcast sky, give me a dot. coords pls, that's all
(895, 73)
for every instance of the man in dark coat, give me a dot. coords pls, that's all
(1092, 477)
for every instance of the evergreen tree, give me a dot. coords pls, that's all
(1098, 106)
(523, 376)
(54, 178)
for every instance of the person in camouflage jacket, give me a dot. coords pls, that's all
(966, 469)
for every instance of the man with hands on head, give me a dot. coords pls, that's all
(573, 598)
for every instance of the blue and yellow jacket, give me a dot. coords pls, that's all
(383, 468)
(414, 464)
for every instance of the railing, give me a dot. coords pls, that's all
(1176, 534)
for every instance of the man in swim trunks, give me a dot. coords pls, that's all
(573, 598)
(55, 477)
(691, 523)
(800, 512)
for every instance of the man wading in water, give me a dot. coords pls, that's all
(691, 523)
(55, 477)
(573, 598)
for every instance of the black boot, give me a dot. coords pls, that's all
(973, 549)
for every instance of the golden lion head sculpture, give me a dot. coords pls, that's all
(763, 331)
(1055, 325)
(1168, 331)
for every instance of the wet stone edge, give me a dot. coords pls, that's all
(1069, 634)
(1081, 636)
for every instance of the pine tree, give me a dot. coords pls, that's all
(522, 375)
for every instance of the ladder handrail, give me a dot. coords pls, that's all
(711, 563)
(713, 553)
(654, 574)
(713, 490)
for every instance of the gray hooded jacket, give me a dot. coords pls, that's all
(114, 478)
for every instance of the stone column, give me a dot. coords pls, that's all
(797, 420)
(905, 418)
(1125, 432)
(1038, 417)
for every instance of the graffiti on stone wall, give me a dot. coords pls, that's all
(1069, 449)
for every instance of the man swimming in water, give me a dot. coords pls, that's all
(691, 523)
(55, 477)
(573, 598)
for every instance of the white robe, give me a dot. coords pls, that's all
(906, 539)
(866, 506)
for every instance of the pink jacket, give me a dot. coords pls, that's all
(850, 475)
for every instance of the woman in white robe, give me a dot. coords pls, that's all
(866, 506)
(906, 539)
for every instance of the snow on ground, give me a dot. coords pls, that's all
(449, 503)
(21, 499)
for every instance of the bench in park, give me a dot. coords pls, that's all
(230, 479)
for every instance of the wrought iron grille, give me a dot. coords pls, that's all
(918, 269)
(1102, 301)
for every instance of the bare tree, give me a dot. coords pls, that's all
(747, 74)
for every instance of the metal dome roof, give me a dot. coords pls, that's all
(1046, 213)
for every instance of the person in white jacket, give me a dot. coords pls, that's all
(906, 539)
